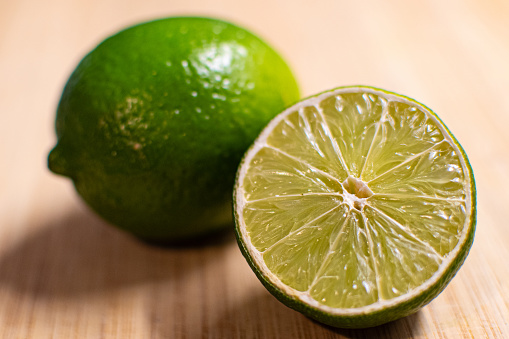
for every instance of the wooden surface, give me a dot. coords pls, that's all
(64, 273)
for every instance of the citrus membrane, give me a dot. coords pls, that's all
(355, 206)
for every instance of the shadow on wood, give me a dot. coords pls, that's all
(261, 315)
(80, 254)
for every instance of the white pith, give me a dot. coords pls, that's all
(305, 297)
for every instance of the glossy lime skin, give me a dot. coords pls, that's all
(153, 122)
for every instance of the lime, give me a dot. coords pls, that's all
(153, 122)
(355, 207)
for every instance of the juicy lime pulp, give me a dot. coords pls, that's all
(355, 207)
(153, 123)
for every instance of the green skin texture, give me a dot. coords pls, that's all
(153, 122)
(386, 315)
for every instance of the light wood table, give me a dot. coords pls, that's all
(64, 273)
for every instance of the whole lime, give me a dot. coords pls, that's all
(153, 122)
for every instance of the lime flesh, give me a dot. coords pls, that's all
(355, 207)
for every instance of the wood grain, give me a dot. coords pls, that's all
(64, 273)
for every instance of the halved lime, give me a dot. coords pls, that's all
(356, 206)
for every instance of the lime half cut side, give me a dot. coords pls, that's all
(355, 207)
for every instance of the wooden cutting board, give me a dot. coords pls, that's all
(64, 273)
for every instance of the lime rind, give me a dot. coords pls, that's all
(382, 310)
